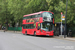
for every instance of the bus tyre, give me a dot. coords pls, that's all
(34, 33)
(25, 32)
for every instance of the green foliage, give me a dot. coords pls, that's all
(12, 11)
(37, 5)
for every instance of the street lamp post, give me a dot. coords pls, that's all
(66, 20)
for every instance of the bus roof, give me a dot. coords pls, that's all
(37, 13)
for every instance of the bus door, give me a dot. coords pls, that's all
(38, 26)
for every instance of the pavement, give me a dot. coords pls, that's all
(67, 38)
(59, 37)
(11, 31)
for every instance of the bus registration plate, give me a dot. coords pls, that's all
(47, 34)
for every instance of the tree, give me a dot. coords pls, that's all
(5, 16)
(18, 9)
(12, 11)
(37, 5)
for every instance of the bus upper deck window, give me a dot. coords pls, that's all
(47, 14)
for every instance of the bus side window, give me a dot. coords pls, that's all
(24, 17)
(39, 15)
(26, 26)
(30, 26)
(33, 16)
(36, 16)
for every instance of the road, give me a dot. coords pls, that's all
(17, 41)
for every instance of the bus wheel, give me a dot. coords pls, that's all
(25, 32)
(34, 33)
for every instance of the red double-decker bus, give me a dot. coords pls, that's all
(40, 23)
